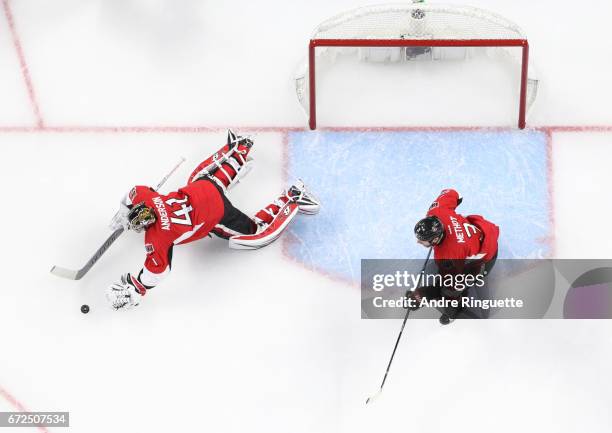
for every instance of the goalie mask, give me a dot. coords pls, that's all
(140, 217)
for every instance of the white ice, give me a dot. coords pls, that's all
(252, 342)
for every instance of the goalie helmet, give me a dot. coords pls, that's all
(428, 229)
(140, 217)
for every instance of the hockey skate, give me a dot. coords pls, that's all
(446, 319)
(307, 203)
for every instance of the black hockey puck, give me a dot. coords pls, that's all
(84, 308)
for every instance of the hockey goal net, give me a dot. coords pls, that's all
(411, 32)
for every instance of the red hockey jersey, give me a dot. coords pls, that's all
(466, 238)
(182, 216)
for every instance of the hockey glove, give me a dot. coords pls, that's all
(125, 295)
(413, 299)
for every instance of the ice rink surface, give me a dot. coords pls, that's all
(96, 96)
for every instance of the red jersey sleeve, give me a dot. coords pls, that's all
(448, 199)
(158, 259)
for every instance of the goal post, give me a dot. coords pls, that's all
(406, 26)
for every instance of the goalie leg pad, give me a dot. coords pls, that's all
(269, 232)
(268, 213)
(230, 173)
(274, 218)
(228, 165)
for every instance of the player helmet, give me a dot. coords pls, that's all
(429, 229)
(140, 217)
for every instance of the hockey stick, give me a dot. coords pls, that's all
(166, 177)
(79, 273)
(374, 396)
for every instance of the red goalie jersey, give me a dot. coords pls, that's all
(182, 216)
(465, 238)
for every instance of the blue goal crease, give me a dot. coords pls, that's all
(374, 186)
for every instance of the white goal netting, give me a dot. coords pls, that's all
(417, 21)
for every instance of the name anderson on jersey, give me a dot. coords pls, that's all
(163, 214)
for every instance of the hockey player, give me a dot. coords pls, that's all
(197, 209)
(461, 245)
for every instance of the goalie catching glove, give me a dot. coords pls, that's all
(126, 294)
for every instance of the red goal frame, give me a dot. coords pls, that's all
(314, 43)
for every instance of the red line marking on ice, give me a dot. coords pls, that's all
(413, 128)
(285, 157)
(196, 129)
(18, 406)
(290, 239)
(568, 128)
(25, 72)
(551, 192)
(156, 129)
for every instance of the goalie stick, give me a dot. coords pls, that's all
(372, 397)
(79, 273)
